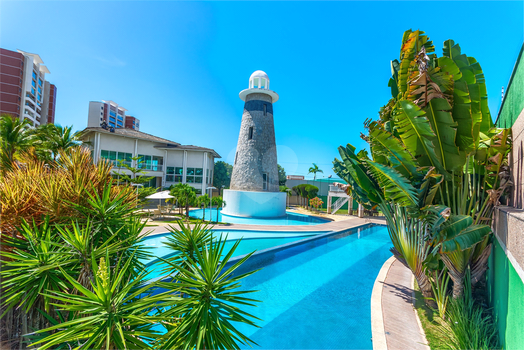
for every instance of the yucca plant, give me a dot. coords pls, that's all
(212, 303)
(116, 313)
(185, 242)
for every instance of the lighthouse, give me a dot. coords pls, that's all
(254, 189)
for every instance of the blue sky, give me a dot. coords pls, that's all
(179, 66)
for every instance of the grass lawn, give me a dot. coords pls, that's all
(431, 323)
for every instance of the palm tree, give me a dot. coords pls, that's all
(57, 138)
(15, 136)
(185, 195)
(314, 169)
(219, 202)
(203, 201)
(286, 190)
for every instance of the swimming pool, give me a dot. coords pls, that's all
(317, 295)
(251, 241)
(289, 219)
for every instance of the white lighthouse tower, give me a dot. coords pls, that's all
(254, 182)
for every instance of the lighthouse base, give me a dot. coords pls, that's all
(254, 204)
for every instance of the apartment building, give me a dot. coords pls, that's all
(168, 162)
(112, 114)
(24, 91)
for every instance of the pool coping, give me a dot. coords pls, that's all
(379, 329)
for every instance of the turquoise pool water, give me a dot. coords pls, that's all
(317, 295)
(252, 241)
(289, 219)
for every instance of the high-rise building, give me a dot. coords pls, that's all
(112, 114)
(24, 92)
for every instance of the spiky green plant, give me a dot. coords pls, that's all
(117, 313)
(213, 301)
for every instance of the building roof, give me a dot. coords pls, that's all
(168, 144)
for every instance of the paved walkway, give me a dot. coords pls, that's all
(350, 222)
(400, 328)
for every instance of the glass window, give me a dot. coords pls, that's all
(39, 81)
(179, 171)
(198, 179)
(112, 113)
(190, 171)
(157, 163)
(264, 181)
(178, 178)
(250, 133)
(39, 97)
(144, 162)
(33, 83)
(265, 110)
(170, 170)
(190, 179)
(125, 158)
(33, 91)
(39, 89)
(34, 75)
(199, 171)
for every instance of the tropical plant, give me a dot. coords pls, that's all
(219, 203)
(436, 158)
(186, 195)
(467, 325)
(314, 170)
(211, 308)
(282, 178)
(288, 192)
(316, 202)
(222, 175)
(203, 201)
(53, 139)
(15, 136)
(136, 178)
(117, 313)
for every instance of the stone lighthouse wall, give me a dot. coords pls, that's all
(256, 150)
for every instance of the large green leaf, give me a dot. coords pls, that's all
(438, 113)
(416, 133)
(454, 225)
(466, 239)
(385, 144)
(394, 186)
(358, 173)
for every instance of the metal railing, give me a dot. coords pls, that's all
(339, 203)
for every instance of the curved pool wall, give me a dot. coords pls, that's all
(316, 292)
(251, 241)
(290, 219)
(254, 204)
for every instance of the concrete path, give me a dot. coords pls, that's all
(395, 324)
(327, 227)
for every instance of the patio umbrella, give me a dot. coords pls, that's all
(160, 195)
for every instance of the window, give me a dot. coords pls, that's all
(207, 176)
(190, 175)
(101, 107)
(170, 174)
(112, 120)
(33, 83)
(265, 180)
(147, 162)
(179, 173)
(39, 89)
(115, 157)
(33, 91)
(265, 110)
(39, 97)
(112, 113)
(39, 81)
(34, 75)
(250, 133)
(158, 163)
(199, 172)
